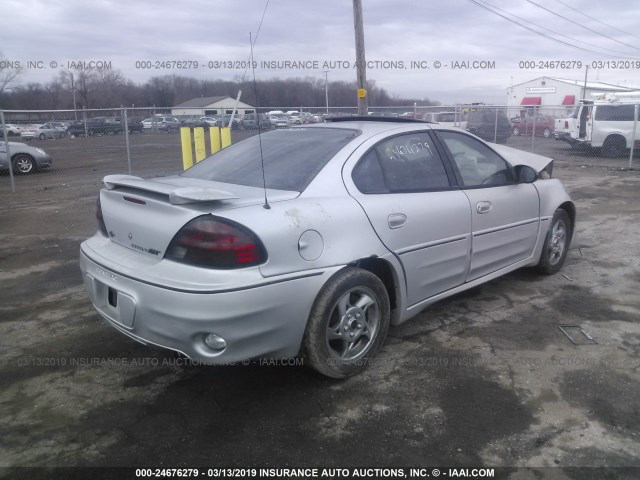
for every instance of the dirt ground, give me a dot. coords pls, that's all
(483, 379)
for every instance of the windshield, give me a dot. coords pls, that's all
(292, 158)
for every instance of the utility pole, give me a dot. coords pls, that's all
(73, 90)
(360, 59)
(326, 89)
(586, 72)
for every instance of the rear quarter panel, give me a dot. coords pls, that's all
(343, 227)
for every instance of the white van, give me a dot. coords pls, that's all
(607, 125)
(447, 119)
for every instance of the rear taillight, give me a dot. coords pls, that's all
(566, 124)
(100, 218)
(212, 242)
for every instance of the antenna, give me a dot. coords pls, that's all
(255, 90)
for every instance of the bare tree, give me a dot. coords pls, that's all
(8, 72)
(55, 91)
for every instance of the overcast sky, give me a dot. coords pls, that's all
(396, 33)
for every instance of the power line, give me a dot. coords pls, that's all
(595, 19)
(551, 31)
(543, 34)
(580, 25)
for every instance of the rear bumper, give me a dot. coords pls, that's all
(266, 320)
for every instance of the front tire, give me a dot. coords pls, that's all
(546, 133)
(556, 244)
(23, 164)
(347, 324)
(516, 131)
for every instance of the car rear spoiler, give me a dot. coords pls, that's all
(178, 194)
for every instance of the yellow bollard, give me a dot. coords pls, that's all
(187, 152)
(198, 139)
(214, 133)
(225, 137)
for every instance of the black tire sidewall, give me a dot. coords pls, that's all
(613, 147)
(543, 265)
(314, 345)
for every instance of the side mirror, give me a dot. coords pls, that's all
(525, 174)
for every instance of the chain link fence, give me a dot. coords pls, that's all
(66, 147)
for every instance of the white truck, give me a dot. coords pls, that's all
(607, 123)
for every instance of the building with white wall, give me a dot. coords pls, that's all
(555, 96)
(198, 107)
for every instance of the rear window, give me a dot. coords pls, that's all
(292, 158)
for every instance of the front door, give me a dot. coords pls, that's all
(505, 214)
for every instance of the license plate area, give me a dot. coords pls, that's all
(111, 302)
(112, 297)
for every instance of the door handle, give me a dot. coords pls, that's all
(483, 207)
(397, 220)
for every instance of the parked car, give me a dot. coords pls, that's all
(199, 123)
(303, 119)
(42, 132)
(135, 125)
(251, 121)
(488, 125)
(280, 120)
(446, 119)
(223, 263)
(210, 119)
(541, 125)
(162, 123)
(224, 120)
(24, 158)
(95, 126)
(12, 130)
(59, 126)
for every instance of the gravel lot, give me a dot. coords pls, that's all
(483, 379)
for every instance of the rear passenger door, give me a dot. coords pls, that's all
(505, 214)
(406, 191)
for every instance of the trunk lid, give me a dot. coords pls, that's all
(144, 215)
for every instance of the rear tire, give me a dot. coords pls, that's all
(347, 323)
(614, 146)
(556, 244)
(546, 133)
(516, 131)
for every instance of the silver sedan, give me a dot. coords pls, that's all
(24, 158)
(312, 240)
(42, 132)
